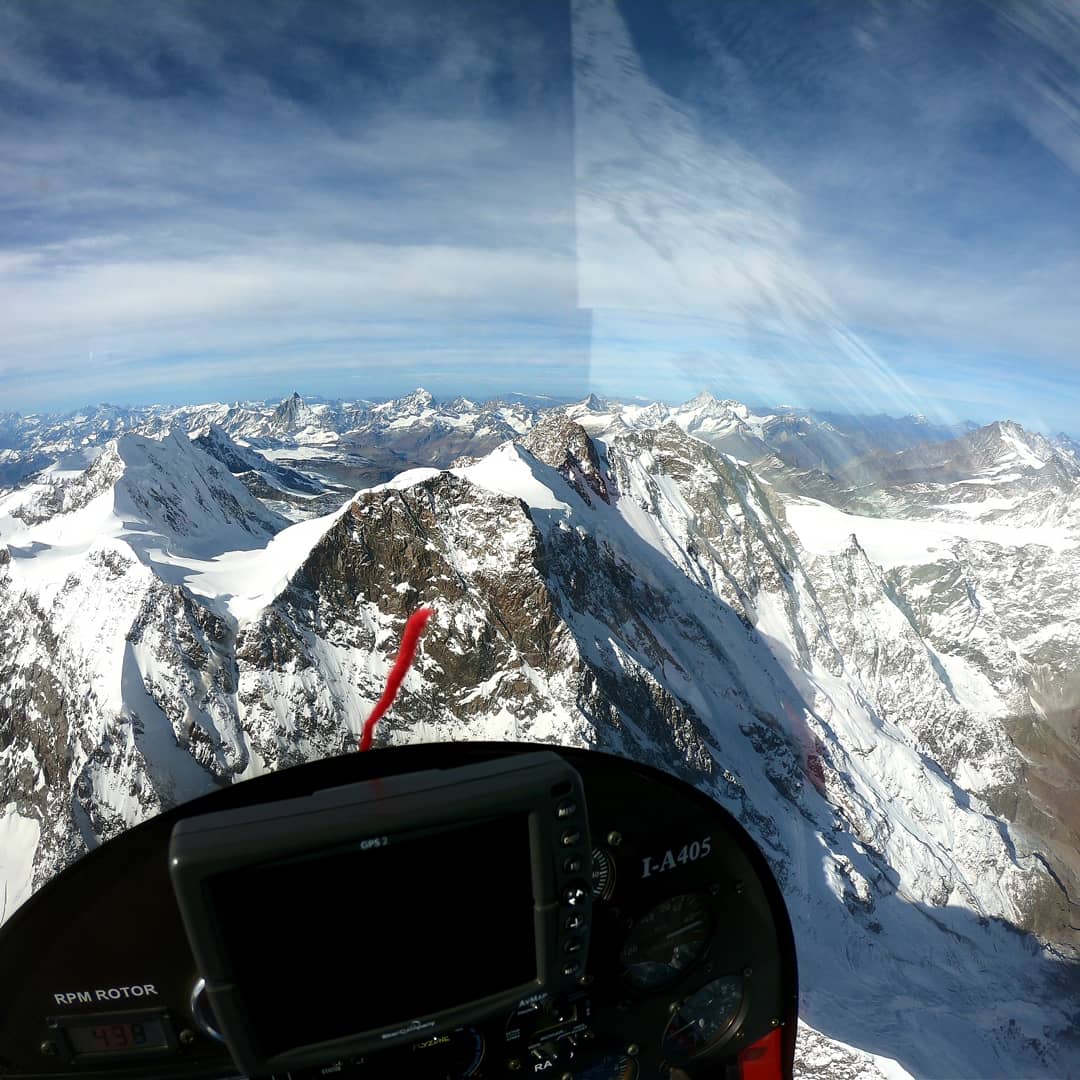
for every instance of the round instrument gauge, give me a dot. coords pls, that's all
(603, 874)
(609, 1067)
(667, 941)
(703, 1018)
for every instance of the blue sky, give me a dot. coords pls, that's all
(863, 206)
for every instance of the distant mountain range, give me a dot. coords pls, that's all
(859, 634)
(372, 441)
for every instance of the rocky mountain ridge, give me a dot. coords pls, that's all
(636, 590)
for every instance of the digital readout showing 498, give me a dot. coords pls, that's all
(117, 1037)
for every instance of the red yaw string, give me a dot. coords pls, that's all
(410, 638)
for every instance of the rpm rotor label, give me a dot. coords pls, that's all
(107, 994)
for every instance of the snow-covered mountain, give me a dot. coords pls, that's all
(796, 440)
(997, 453)
(888, 703)
(373, 441)
(335, 445)
(167, 492)
(283, 489)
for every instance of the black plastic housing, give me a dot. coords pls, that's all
(219, 863)
(106, 934)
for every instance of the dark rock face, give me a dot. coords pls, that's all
(289, 414)
(473, 555)
(36, 730)
(565, 445)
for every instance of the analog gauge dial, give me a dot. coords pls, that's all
(667, 941)
(603, 874)
(704, 1018)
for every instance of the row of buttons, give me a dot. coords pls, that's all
(573, 895)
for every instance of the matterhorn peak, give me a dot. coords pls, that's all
(290, 404)
(292, 414)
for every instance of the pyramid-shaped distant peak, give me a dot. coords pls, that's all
(705, 397)
(707, 401)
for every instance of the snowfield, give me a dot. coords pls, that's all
(892, 542)
(18, 845)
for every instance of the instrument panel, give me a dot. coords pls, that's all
(690, 970)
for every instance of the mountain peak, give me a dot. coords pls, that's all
(409, 406)
(1011, 442)
(704, 399)
(291, 413)
(219, 444)
(174, 487)
(565, 445)
(289, 404)
(707, 403)
(164, 488)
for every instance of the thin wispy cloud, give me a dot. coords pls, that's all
(205, 181)
(1047, 98)
(676, 217)
(819, 181)
(847, 205)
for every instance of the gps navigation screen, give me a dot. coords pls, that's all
(347, 940)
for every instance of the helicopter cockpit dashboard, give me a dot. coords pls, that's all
(431, 912)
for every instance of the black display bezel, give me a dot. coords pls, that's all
(533, 786)
(60, 1024)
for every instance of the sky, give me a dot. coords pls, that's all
(864, 207)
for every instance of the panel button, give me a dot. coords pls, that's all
(572, 946)
(574, 895)
(566, 809)
(574, 922)
(572, 865)
(571, 969)
(570, 837)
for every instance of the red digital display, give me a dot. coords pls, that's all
(119, 1036)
